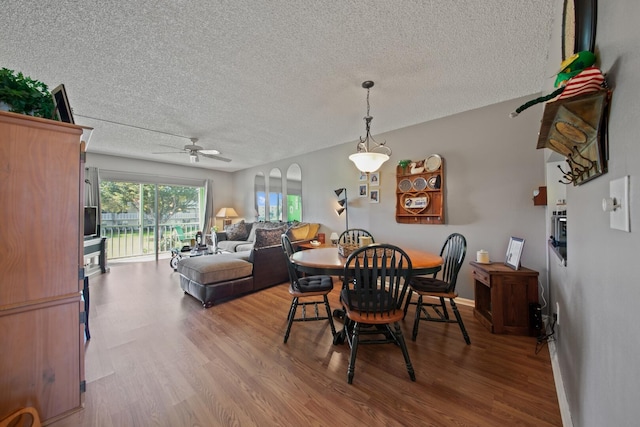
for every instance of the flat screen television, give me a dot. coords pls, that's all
(90, 221)
(63, 109)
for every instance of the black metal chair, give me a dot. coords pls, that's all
(375, 280)
(306, 287)
(453, 252)
(353, 235)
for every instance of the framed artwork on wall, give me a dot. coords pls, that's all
(374, 196)
(374, 179)
(363, 190)
(363, 177)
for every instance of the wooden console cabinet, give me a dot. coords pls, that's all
(41, 275)
(502, 298)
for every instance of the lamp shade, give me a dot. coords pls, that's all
(227, 213)
(368, 161)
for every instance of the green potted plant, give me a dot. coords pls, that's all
(23, 95)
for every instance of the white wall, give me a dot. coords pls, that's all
(597, 339)
(491, 169)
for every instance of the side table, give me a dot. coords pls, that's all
(503, 297)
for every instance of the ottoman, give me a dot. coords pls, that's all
(210, 278)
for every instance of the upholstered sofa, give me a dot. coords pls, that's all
(211, 278)
(241, 236)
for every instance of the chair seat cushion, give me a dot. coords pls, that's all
(429, 284)
(381, 301)
(314, 284)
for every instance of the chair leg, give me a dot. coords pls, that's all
(292, 315)
(416, 322)
(444, 308)
(403, 346)
(354, 350)
(407, 302)
(454, 307)
(329, 316)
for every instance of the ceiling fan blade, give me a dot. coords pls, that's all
(211, 156)
(170, 146)
(168, 152)
(212, 152)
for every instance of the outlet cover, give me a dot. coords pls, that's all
(619, 191)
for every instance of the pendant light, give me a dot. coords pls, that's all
(370, 154)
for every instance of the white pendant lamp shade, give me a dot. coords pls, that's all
(368, 161)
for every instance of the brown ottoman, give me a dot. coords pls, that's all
(210, 278)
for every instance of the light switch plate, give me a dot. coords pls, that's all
(619, 190)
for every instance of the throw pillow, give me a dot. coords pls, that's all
(313, 230)
(298, 232)
(237, 231)
(269, 236)
(263, 224)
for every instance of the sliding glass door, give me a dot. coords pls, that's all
(146, 219)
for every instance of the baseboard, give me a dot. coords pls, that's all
(565, 413)
(465, 301)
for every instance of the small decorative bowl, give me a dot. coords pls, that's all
(315, 243)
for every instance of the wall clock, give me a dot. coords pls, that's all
(578, 26)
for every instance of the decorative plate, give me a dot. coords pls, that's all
(432, 182)
(419, 184)
(415, 203)
(404, 185)
(433, 163)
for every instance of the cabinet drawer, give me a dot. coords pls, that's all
(481, 276)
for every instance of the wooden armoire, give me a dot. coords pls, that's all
(41, 266)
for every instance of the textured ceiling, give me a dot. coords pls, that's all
(263, 80)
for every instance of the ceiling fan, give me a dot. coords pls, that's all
(195, 151)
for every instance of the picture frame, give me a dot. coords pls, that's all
(363, 190)
(374, 196)
(363, 177)
(374, 179)
(514, 252)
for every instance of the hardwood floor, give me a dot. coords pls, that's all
(157, 358)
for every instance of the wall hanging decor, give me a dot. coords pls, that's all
(420, 191)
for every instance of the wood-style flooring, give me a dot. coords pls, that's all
(157, 358)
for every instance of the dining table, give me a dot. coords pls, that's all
(327, 260)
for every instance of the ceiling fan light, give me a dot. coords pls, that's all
(368, 161)
(193, 158)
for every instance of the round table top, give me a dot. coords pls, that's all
(328, 261)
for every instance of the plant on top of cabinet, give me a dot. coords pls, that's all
(23, 95)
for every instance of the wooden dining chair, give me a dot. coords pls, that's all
(375, 280)
(352, 236)
(312, 289)
(431, 304)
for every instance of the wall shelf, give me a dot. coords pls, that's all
(420, 196)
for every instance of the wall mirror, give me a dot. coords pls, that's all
(275, 195)
(294, 193)
(259, 190)
(578, 26)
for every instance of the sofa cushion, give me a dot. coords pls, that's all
(244, 247)
(313, 230)
(215, 268)
(298, 232)
(231, 245)
(237, 231)
(269, 236)
(262, 225)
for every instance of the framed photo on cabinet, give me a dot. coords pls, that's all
(514, 252)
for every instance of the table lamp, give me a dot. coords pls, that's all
(227, 214)
(334, 238)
